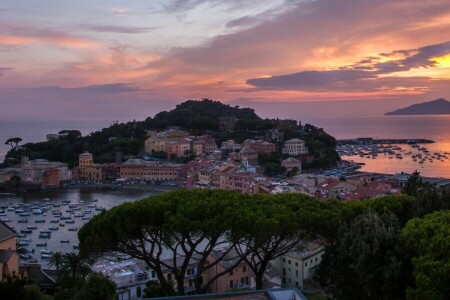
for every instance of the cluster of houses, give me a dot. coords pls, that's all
(233, 166)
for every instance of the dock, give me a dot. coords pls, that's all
(372, 141)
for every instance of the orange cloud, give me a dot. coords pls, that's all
(58, 40)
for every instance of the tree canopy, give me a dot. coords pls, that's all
(428, 242)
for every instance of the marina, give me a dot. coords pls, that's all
(48, 228)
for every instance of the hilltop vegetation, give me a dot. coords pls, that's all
(198, 117)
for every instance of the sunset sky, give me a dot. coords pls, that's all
(130, 59)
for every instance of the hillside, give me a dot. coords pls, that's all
(126, 140)
(436, 107)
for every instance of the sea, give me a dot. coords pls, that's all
(436, 128)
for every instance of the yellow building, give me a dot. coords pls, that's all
(155, 144)
(9, 258)
(87, 169)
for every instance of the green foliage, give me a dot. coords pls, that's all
(428, 242)
(73, 270)
(13, 288)
(97, 286)
(154, 290)
(199, 115)
(272, 163)
(366, 262)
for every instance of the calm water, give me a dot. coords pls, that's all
(107, 197)
(436, 128)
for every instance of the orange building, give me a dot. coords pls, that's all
(51, 178)
(9, 258)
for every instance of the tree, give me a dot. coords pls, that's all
(188, 225)
(415, 185)
(13, 142)
(97, 286)
(74, 269)
(264, 230)
(154, 289)
(365, 262)
(428, 242)
(56, 260)
(13, 288)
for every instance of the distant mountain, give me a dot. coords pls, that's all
(436, 107)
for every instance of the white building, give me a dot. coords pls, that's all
(295, 147)
(129, 276)
(33, 170)
(297, 266)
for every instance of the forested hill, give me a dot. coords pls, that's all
(197, 117)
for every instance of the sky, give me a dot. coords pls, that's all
(111, 59)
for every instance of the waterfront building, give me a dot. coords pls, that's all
(39, 170)
(9, 258)
(87, 170)
(139, 169)
(8, 173)
(294, 147)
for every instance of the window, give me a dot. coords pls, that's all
(230, 283)
(284, 259)
(296, 273)
(316, 258)
(296, 264)
(138, 291)
(289, 261)
(306, 264)
(169, 276)
(284, 271)
(296, 284)
(231, 272)
(244, 269)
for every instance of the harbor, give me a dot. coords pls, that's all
(49, 221)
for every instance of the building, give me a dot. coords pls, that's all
(180, 148)
(50, 178)
(139, 169)
(239, 277)
(260, 146)
(155, 144)
(87, 170)
(249, 155)
(8, 173)
(274, 135)
(39, 170)
(240, 181)
(130, 277)
(299, 265)
(291, 163)
(9, 258)
(294, 147)
(335, 188)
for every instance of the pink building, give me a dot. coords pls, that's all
(240, 181)
(239, 277)
(260, 146)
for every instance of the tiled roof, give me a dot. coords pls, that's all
(6, 232)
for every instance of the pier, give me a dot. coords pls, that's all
(372, 141)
